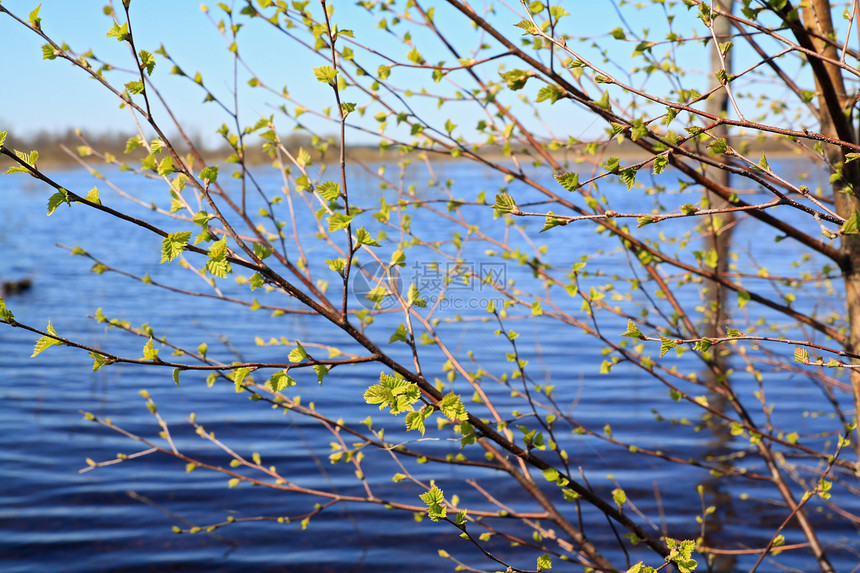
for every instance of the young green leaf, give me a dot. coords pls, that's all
(396, 394)
(364, 238)
(552, 221)
(569, 181)
(149, 352)
(505, 204)
(46, 341)
(452, 407)
(173, 244)
(434, 499)
(338, 221)
(217, 264)
(298, 353)
(118, 32)
(57, 199)
(414, 297)
(5, 313)
(666, 344)
(544, 562)
(851, 226)
(633, 331)
(209, 174)
(326, 74)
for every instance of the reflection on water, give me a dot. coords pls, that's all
(120, 518)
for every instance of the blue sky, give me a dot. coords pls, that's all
(52, 95)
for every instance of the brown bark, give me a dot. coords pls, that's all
(832, 102)
(719, 236)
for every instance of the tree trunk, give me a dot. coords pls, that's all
(832, 100)
(719, 235)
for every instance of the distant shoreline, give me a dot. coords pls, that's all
(52, 156)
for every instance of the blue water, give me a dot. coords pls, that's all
(52, 517)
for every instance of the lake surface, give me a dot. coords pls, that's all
(52, 517)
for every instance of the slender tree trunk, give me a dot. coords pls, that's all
(719, 236)
(832, 102)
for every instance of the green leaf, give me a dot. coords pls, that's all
(660, 163)
(57, 199)
(415, 420)
(147, 61)
(209, 174)
(603, 102)
(414, 297)
(551, 92)
(552, 221)
(400, 334)
(93, 196)
(48, 52)
(681, 555)
(329, 190)
(46, 341)
(135, 87)
(569, 181)
(398, 258)
(279, 381)
(321, 371)
(338, 221)
(98, 360)
(719, 146)
(364, 238)
(118, 32)
(173, 244)
(34, 19)
(452, 407)
(165, 167)
(394, 393)
(629, 177)
(619, 497)
(434, 499)
(544, 562)
(326, 74)
(505, 204)
(851, 226)
(618, 34)
(261, 251)
(415, 57)
(298, 353)
(217, 264)
(238, 376)
(743, 298)
(28, 158)
(633, 331)
(516, 79)
(150, 353)
(666, 344)
(337, 265)
(133, 143)
(5, 313)
(801, 355)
